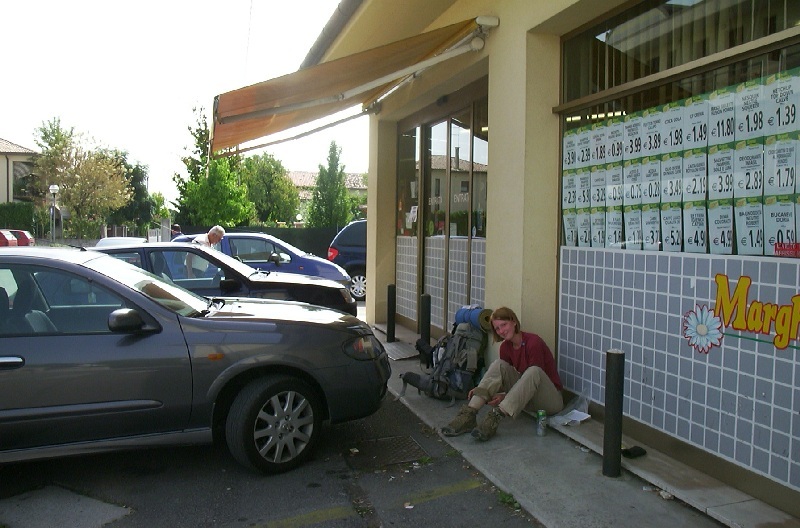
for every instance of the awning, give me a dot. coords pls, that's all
(279, 104)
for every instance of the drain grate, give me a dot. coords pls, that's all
(382, 452)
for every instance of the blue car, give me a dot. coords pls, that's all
(268, 253)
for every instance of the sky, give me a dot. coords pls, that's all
(128, 75)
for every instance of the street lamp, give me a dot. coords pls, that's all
(54, 191)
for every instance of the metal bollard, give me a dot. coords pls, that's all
(425, 317)
(612, 423)
(391, 309)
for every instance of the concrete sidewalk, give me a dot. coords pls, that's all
(558, 478)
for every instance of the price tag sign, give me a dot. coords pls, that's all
(750, 103)
(614, 227)
(614, 185)
(672, 138)
(695, 174)
(780, 164)
(720, 226)
(598, 226)
(652, 122)
(672, 177)
(632, 140)
(651, 180)
(583, 147)
(632, 215)
(695, 232)
(632, 182)
(671, 227)
(651, 227)
(720, 171)
(748, 169)
(570, 218)
(695, 121)
(615, 138)
(583, 187)
(782, 94)
(584, 227)
(779, 222)
(598, 184)
(569, 186)
(569, 145)
(749, 221)
(721, 116)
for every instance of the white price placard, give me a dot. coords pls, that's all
(695, 174)
(652, 122)
(721, 116)
(598, 226)
(584, 227)
(720, 171)
(695, 121)
(671, 227)
(614, 184)
(749, 221)
(695, 230)
(570, 218)
(720, 226)
(750, 103)
(569, 186)
(779, 222)
(598, 183)
(632, 215)
(780, 164)
(632, 140)
(632, 182)
(651, 227)
(748, 169)
(615, 137)
(672, 177)
(651, 180)
(614, 231)
(672, 139)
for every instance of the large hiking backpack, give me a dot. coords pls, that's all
(454, 364)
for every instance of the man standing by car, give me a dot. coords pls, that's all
(210, 239)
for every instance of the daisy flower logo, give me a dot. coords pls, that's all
(702, 329)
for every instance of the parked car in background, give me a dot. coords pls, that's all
(98, 354)
(7, 238)
(24, 238)
(349, 250)
(119, 241)
(215, 274)
(268, 253)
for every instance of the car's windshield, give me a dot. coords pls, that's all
(168, 295)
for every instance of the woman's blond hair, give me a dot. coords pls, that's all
(503, 314)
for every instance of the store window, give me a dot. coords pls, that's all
(701, 163)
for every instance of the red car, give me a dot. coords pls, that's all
(24, 238)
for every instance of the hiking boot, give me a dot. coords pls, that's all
(464, 422)
(488, 426)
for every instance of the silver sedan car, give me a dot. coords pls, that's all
(97, 354)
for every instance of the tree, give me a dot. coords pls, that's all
(330, 204)
(139, 211)
(273, 193)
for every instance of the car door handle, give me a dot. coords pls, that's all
(11, 362)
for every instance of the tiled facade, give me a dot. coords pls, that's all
(738, 400)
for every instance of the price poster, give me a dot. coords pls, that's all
(598, 186)
(651, 180)
(632, 214)
(583, 147)
(614, 185)
(695, 174)
(779, 222)
(598, 215)
(614, 227)
(750, 105)
(651, 227)
(584, 227)
(570, 150)
(749, 220)
(695, 121)
(570, 218)
(583, 187)
(599, 141)
(671, 226)
(720, 226)
(721, 117)
(780, 164)
(632, 182)
(672, 177)
(748, 169)
(615, 137)
(720, 171)
(782, 94)
(632, 136)
(694, 227)
(672, 122)
(569, 185)
(652, 121)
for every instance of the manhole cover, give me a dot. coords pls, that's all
(382, 452)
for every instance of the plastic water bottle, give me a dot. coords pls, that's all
(541, 423)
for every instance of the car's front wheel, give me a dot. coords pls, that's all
(358, 285)
(274, 424)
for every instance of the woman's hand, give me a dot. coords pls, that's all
(494, 402)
